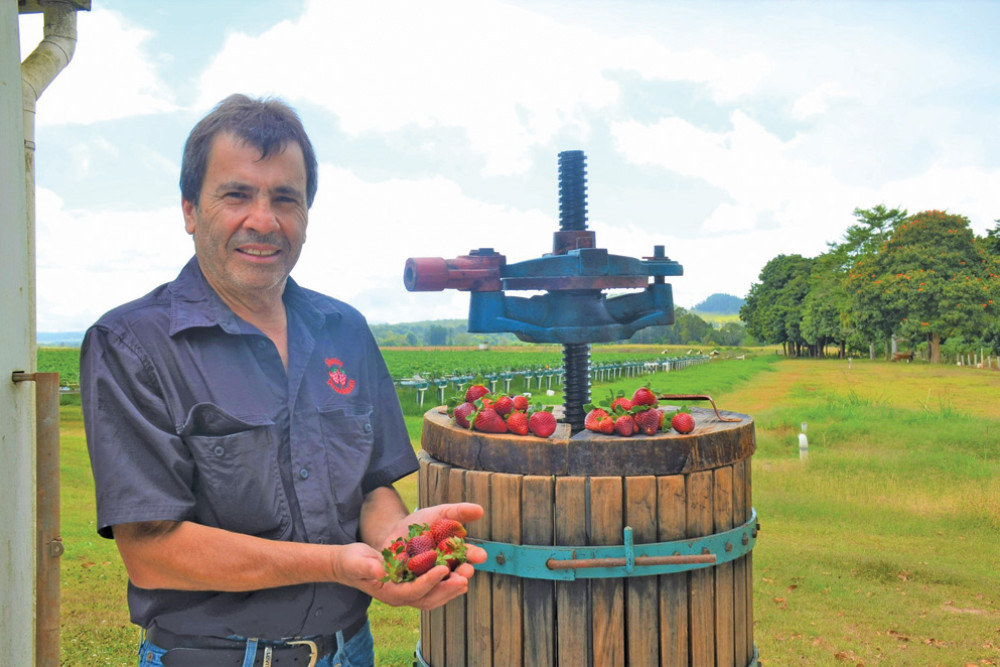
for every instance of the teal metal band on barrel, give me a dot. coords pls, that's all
(567, 563)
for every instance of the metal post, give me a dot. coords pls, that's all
(49, 546)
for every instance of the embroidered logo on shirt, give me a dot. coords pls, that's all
(338, 380)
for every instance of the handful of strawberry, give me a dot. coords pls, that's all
(440, 543)
(640, 414)
(480, 410)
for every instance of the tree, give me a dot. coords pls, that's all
(929, 279)
(729, 334)
(436, 336)
(862, 242)
(773, 308)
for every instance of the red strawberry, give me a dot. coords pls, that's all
(461, 413)
(625, 425)
(504, 405)
(621, 404)
(606, 425)
(521, 403)
(649, 421)
(475, 391)
(452, 551)
(682, 422)
(517, 423)
(489, 421)
(443, 529)
(592, 421)
(643, 396)
(542, 424)
(420, 543)
(423, 562)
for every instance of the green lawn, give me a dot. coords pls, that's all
(883, 547)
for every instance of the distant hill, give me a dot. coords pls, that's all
(721, 304)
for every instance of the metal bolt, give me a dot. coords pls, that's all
(729, 546)
(501, 559)
(746, 539)
(56, 548)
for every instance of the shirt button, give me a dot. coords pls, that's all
(262, 344)
(304, 473)
(368, 428)
(319, 612)
(219, 450)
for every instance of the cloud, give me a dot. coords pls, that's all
(511, 78)
(962, 190)
(110, 77)
(91, 261)
(818, 100)
(764, 178)
(361, 232)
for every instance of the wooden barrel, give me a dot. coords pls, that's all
(668, 492)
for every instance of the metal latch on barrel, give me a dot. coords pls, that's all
(567, 563)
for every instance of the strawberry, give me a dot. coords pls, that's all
(682, 422)
(394, 561)
(643, 396)
(504, 405)
(461, 414)
(420, 543)
(443, 529)
(452, 551)
(517, 423)
(489, 421)
(416, 529)
(592, 420)
(474, 392)
(521, 403)
(542, 424)
(606, 425)
(621, 404)
(423, 562)
(625, 425)
(649, 421)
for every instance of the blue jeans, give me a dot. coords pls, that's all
(359, 651)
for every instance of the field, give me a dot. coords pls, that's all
(882, 548)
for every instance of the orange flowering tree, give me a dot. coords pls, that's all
(931, 278)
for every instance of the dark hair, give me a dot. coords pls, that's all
(267, 124)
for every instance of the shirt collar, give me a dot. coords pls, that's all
(194, 304)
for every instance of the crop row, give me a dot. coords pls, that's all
(434, 366)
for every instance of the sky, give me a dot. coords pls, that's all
(728, 132)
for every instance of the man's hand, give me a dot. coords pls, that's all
(438, 585)
(462, 512)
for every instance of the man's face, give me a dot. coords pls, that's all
(250, 222)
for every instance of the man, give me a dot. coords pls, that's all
(244, 432)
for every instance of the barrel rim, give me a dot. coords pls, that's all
(713, 443)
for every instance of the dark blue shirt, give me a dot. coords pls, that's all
(191, 416)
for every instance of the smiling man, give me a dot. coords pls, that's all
(244, 432)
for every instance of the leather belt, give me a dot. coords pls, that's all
(206, 651)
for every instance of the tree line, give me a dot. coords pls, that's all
(688, 329)
(895, 281)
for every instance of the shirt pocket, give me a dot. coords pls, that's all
(348, 439)
(237, 484)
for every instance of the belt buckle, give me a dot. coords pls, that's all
(313, 649)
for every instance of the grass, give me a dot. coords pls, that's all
(882, 548)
